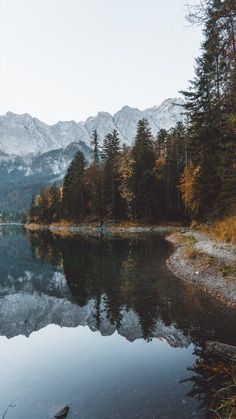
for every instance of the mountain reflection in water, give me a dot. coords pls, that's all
(109, 284)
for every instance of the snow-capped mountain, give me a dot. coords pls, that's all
(22, 134)
(34, 154)
(167, 114)
(104, 124)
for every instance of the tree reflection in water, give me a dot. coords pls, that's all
(129, 272)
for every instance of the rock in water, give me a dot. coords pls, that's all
(62, 413)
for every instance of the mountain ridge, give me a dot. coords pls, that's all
(22, 134)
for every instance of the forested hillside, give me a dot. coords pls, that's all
(188, 171)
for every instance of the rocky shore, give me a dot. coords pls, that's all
(205, 263)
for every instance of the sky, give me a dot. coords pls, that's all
(69, 59)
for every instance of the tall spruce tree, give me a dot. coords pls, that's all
(144, 183)
(111, 194)
(95, 144)
(93, 191)
(208, 105)
(73, 206)
(172, 155)
(161, 143)
(176, 161)
(227, 22)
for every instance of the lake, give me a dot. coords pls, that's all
(100, 324)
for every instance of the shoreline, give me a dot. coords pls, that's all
(206, 264)
(110, 229)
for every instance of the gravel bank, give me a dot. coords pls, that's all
(210, 265)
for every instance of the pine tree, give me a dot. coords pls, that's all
(176, 160)
(93, 191)
(111, 195)
(161, 143)
(172, 156)
(94, 144)
(208, 104)
(144, 183)
(227, 194)
(73, 207)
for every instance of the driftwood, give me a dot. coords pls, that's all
(221, 350)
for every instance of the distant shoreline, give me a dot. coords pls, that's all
(12, 223)
(110, 228)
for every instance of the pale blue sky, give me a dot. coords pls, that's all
(69, 59)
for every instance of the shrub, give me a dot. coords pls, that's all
(191, 252)
(225, 230)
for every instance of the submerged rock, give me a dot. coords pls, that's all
(62, 413)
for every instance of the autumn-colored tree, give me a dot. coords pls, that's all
(189, 188)
(159, 167)
(45, 207)
(125, 169)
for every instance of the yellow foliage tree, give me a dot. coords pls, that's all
(189, 187)
(125, 171)
(159, 167)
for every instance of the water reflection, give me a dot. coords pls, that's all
(109, 284)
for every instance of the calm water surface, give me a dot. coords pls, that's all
(100, 324)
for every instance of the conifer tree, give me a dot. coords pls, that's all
(161, 143)
(111, 195)
(144, 183)
(93, 191)
(73, 189)
(95, 144)
(208, 104)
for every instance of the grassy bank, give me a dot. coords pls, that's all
(217, 379)
(222, 230)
